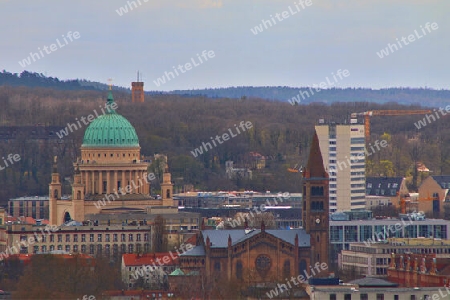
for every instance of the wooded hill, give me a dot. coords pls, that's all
(303, 95)
(176, 125)
(306, 95)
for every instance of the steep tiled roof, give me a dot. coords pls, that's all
(219, 238)
(443, 181)
(131, 259)
(196, 251)
(383, 186)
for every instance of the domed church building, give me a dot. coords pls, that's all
(110, 176)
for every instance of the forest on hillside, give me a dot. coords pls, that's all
(306, 95)
(176, 125)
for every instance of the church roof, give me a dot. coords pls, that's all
(219, 238)
(196, 251)
(315, 168)
(110, 130)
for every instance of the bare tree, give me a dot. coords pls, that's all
(159, 239)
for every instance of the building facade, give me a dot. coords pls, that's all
(151, 270)
(35, 207)
(110, 174)
(93, 240)
(345, 233)
(343, 152)
(374, 259)
(433, 192)
(387, 187)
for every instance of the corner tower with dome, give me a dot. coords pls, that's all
(110, 176)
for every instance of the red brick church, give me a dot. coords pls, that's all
(265, 256)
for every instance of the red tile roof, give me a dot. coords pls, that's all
(150, 259)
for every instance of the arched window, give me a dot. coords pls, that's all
(302, 268)
(239, 270)
(55, 194)
(217, 266)
(78, 195)
(168, 194)
(67, 217)
(287, 268)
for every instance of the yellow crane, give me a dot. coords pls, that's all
(389, 112)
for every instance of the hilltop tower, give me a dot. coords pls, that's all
(137, 91)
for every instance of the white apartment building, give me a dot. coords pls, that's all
(343, 152)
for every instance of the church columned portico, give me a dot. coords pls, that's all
(110, 164)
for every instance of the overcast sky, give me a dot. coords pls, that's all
(307, 45)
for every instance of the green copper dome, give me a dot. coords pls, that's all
(110, 130)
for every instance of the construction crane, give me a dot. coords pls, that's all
(368, 114)
(403, 202)
(295, 169)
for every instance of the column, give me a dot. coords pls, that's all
(123, 180)
(86, 182)
(108, 182)
(100, 182)
(114, 186)
(130, 179)
(93, 182)
(136, 181)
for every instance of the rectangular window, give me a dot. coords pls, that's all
(107, 238)
(67, 238)
(130, 237)
(145, 237)
(122, 237)
(59, 238)
(91, 237)
(332, 296)
(380, 296)
(138, 237)
(364, 297)
(115, 237)
(83, 238)
(75, 238)
(347, 296)
(99, 238)
(52, 238)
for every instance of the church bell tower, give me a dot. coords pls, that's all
(315, 212)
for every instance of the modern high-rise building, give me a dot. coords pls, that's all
(343, 151)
